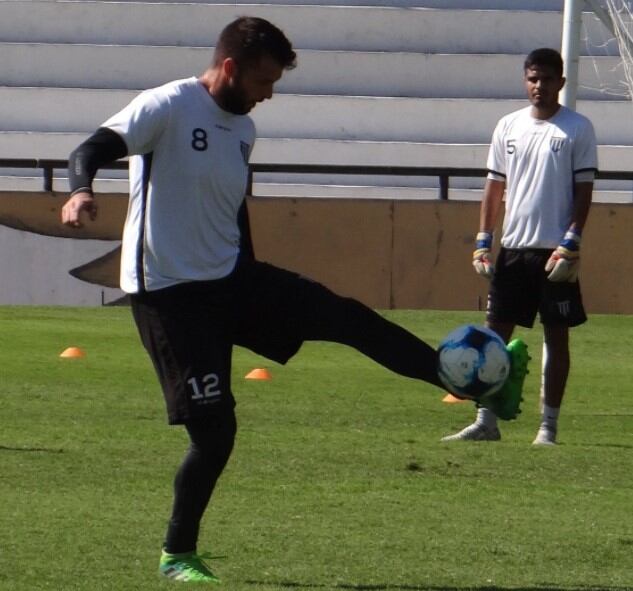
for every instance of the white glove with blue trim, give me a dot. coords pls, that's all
(565, 260)
(481, 256)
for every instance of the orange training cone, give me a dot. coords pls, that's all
(72, 352)
(450, 399)
(258, 374)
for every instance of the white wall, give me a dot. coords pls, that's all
(34, 270)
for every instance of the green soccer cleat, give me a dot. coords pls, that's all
(506, 402)
(186, 568)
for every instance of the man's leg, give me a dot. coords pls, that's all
(211, 445)
(485, 427)
(281, 309)
(486, 417)
(349, 322)
(556, 369)
(513, 300)
(555, 374)
(561, 309)
(212, 441)
(186, 331)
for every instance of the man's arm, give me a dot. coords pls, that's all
(563, 263)
(246, 242)
(491, 204)
(583, 194)
(102, 147)
(488, 216)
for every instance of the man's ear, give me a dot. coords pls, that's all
(229, 68)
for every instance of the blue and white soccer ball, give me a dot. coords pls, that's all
(473, 362)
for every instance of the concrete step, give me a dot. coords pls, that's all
(552, 5)
(401, 74)
(57, 146)
(457, 121)
(352, 28)
(307, 190)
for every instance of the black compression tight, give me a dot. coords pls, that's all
(211, 445)
(349, 322)
(290, 309)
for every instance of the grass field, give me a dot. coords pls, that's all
(338, 480)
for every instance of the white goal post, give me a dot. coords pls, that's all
(570, 50)
(617, 17)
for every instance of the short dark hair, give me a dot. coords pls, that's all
(248, 38)
(544, 57)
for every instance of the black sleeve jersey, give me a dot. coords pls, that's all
(102, 147)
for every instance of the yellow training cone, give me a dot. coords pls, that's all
(450, 399)
(72, 352)
(258, 374)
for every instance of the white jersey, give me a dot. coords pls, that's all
(188, 178)
(538, 160)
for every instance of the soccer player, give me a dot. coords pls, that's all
(544, 157)
(188, 264)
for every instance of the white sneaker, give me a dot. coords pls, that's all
(475, 432)
(546, 436)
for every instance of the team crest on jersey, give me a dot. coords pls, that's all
(556, 143)
(246, 149)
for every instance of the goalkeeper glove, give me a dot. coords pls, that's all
(481, 256)
(564, 262)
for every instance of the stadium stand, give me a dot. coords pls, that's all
(400, 83)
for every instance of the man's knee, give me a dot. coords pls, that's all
(213, 437)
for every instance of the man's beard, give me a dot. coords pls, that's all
(231, 99)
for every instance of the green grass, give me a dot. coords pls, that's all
(338, 480)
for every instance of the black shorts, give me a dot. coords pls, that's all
(189, 331)
(520, 288)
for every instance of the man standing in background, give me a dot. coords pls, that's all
(544, 158)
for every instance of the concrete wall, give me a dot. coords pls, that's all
(416, 254)
(387, 253)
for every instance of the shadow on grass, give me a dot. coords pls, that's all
(404, 587)
(608, 445)
(32, 449)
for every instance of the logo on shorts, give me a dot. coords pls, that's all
(556, 143)
(564, 308)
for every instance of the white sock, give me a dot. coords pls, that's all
(550, 416)
(486, 418)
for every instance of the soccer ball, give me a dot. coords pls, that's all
(473, 362)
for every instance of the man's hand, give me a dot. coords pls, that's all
(564, 262)
(481, 255)
(71, 211)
